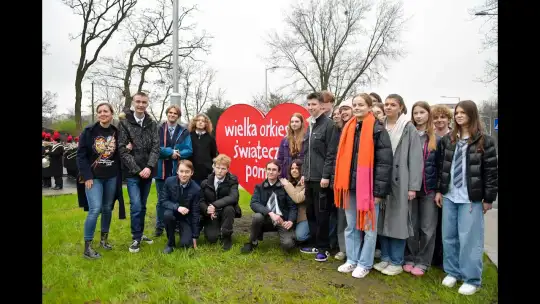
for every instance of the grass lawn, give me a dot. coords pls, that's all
(208, 275)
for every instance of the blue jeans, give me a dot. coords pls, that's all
(392, 250)
(302, 231)
(159, 211)
(358, 253)
(463, 240)
(100, 199)
(138, 190)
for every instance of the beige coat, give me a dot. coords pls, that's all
(297, 194)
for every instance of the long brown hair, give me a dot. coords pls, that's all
(295, 142)
(432, 140)
(474, 125)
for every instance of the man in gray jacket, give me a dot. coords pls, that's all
(320, 147)
(138, 143)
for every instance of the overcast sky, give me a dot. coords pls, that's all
(442, 40)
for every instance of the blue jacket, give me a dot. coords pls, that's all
(430, 167)
(166, 166)
(173, 195)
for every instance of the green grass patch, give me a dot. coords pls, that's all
(209, 275)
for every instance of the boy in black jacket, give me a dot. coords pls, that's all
(265, 219)
(180, 200)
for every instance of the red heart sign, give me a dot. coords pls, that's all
(251, 139)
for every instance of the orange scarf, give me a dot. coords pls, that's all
(365, 217)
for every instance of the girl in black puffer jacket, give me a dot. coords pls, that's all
(467, 186)
(424, 211)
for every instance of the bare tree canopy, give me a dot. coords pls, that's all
(196, 88)
(149, 60)
(338, 45)
(491, 37)
(101, 19)
(48, 107)
(260, 102)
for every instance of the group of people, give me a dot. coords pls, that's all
(57, 154)
(345, 179)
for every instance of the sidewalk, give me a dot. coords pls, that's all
(491, 235)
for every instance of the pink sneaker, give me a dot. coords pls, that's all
(417, 271)
(408, 267)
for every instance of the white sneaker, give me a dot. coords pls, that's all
(340, 256)
(377, 253)
(392, 270)
(360, 272)
(467, 289)
(381, 265)
(346, 268)
(449, 281)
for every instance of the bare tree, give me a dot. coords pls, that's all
(260, 102)
(148, 33)
(491, 38)
(196, 81)
(327, 45)
(101, 19)
(160, 95)
(48, 107)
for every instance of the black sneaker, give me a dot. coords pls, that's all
(146, 239)
(168, 249)
(158, 232)
(135, 246)
(248, 247)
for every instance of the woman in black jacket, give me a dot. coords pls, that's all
(98, 161)
(424, 211)
(467, 186)
(204, 146)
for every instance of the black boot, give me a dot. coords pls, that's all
(227, 242)
(90, 253)
(103, 243)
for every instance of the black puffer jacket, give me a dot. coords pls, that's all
(226, 194)
(429, 178)
(262, 193)
(145, 142)
(482, 172)
(382, 170)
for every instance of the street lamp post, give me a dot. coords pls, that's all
(266, 81)
(175, 96)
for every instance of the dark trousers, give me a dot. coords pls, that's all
(222, 225)
(170, 218)
(58, 181)
(261, 223)
(318, 209)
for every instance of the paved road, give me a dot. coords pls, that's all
(491, 235)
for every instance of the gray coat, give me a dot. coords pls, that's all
(395, 213)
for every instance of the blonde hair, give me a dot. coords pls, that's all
(193, 123)
(176, 107)
(222, 159)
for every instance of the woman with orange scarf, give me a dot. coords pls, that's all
(361, 182)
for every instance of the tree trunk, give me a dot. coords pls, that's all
(78, 100)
